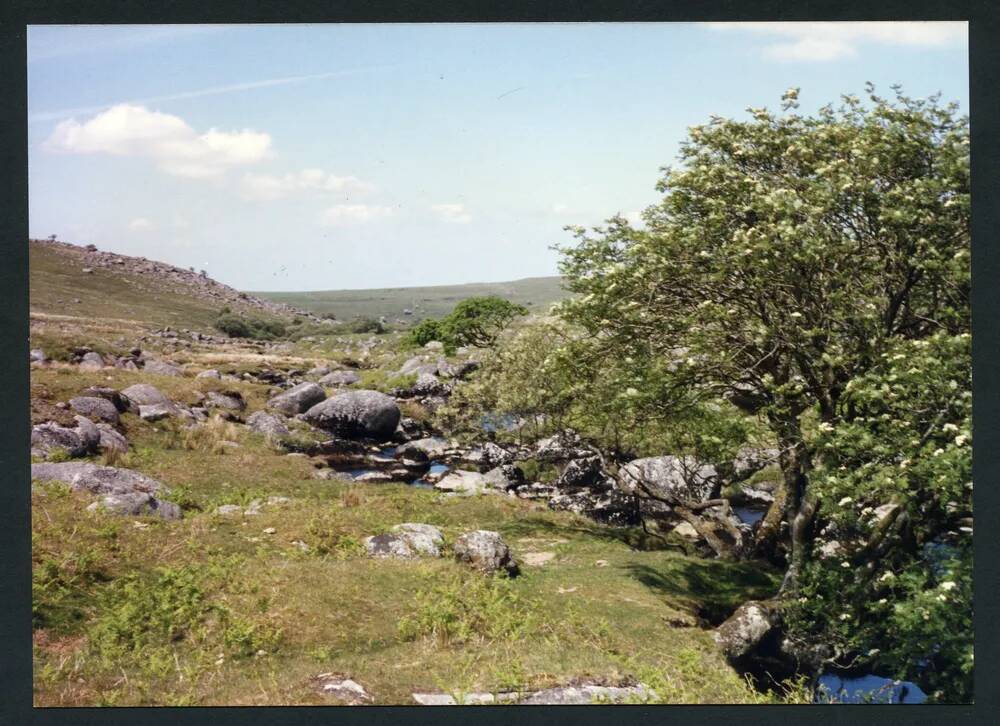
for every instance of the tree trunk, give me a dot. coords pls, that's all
(800, 507)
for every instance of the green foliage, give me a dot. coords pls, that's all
(475, 321)
(249, 326)
(479, 320)
(139, 612)
(60, 589)
(547, 377)
(895, 595)
(367, 325)
(425, 331)
(468, 609)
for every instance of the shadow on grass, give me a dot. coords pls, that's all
(709, 588)
(536, 525)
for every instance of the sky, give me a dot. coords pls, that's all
(318, 157)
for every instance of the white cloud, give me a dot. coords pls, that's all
(353, 214)
(454, 213)
(265, 187)
(140, 224)
(127, 130)
(832, 41)
(560, 208)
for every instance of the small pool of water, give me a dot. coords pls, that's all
(834, 688)
(497, 422)
(749, 515)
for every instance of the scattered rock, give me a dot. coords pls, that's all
(50, 437)
(746, 629)
(157, 411)
(228, 400)
(268, 424)
(504, 477)
(432, 448)
(357, 414)
(95, 408)
(120, 402)
(485, 551)
(298, 399)
(91, 362)
(587, 694)
(210, 373)
(340, 378)
(348, 692)
(37, 355)
(111, 440)
(144, 394)
(161, 368)
(462, 482)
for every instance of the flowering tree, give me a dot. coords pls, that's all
(788, 254)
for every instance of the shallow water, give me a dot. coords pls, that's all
(834, 688)
(749, 515)
(494, 422)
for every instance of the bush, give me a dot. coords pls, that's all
(249, 326)
(425, 331)
(475, 321)
(367, 325)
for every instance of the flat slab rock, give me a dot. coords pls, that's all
(582, 695)
(345, 690)
(406, 541)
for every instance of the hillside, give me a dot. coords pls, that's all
(90, 284)
(537, 293)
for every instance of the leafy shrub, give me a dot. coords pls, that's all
(425, 331)
(475, 321)
(367, 325)
(249, 326)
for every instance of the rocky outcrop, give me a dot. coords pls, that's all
(91, 361)
(357, 415)
(49, 438)
(162, 368)
(227, 400)
(406, 541)
(340, 378)
(485, 551)
(298, 399)
(144, 394)
(462, 482)
(669, 477)
(268, 424)
(152, 276)
(121, 491)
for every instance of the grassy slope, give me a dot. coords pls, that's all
(536, 292)
(56, 278)
(335, 610)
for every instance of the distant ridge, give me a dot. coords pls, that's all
(537, 293)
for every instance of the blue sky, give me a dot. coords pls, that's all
(309, 157)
